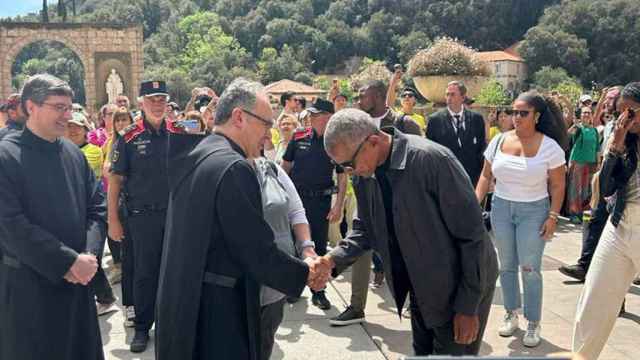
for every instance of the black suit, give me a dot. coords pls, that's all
(470, 154)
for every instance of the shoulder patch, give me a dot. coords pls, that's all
(302, 133)
(133, 130)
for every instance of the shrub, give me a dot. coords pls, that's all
(447, 57)
(493, 94)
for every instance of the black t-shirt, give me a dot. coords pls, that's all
(312, 167)
(140, 155)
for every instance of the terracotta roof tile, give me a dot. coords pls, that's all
(498, 56)
(285, 85)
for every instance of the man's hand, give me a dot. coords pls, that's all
(319, 273)
(465, 328)
(83, 269)
(309, 252)
(116, 231)
(335, 214)
(71, 278)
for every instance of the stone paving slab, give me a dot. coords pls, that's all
(306, 334)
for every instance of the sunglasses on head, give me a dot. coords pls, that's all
(408, 95)
(520, 113)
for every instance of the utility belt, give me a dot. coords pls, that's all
(11, 262)
(144, 209)
(219, 280)
(317, 193)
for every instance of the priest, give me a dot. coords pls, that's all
(52, 226)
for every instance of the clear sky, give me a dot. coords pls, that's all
(18, 7)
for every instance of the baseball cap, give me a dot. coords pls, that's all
(80, 120)
(584, 98)
(153, 88)
(320, 105)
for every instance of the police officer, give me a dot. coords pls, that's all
(311, 170)
(139, 169)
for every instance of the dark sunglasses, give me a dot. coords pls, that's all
(408, 96)
(351, 163)
(517, 113)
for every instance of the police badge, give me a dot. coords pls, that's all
(114, 155)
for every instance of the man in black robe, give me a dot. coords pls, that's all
(218, 250)
(52, 224)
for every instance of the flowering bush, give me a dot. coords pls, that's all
(370, 70)
(447, 57)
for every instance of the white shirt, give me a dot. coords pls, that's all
(378, 120)
(520, 178)
(453, 118)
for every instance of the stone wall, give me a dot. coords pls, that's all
(93, 43)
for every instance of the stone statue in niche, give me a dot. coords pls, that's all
(114, 86)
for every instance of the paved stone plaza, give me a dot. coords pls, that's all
(306, 333)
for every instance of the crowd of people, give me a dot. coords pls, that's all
(218, 213)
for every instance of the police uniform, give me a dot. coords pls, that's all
(140, 156)
(312, 174)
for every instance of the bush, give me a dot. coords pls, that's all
(548, 78)
(493, 94)
(370, 70)
(447, 57)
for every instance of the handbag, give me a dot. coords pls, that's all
(486, 213)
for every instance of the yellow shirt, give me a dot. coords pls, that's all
(493, 131)
(419, 119)
(94, 158)
(275, 136)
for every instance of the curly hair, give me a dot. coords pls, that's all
(551, 122)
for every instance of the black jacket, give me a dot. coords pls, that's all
(614, 177)
(218, 251)
(474, 142)
(438, 224)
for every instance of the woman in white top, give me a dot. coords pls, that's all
(526, 163)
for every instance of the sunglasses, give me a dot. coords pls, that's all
(351, 163)
(407, 96)
(517, 113)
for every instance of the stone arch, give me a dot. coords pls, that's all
(15, 50)
(93, 43)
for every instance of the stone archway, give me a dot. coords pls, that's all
(95, 45)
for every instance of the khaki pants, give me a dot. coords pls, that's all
(334, 229)
(613, 267)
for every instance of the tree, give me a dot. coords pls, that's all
(493, 94)
(548, 78)
(62, 10)
(555, 48)
(45, 11)
(273, 66)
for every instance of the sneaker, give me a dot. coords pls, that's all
(104, 309)
(115, 275)
(574, 271)
(509, 324)
(139, 342)
(129, 316)
(320, 300)
(348, 317)
(378, 280)
(532, 336)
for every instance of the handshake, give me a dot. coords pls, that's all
(319, 272)
(82, 270)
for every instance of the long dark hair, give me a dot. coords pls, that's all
(631, 92)
(551, 122)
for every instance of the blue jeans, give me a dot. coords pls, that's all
(517, 231)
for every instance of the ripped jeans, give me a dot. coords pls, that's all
(517, 236)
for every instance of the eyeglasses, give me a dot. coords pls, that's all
(265, 121)
(407, 96)
(517, 113)
(61, 108)
(351, 163)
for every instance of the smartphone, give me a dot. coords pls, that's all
(190, 125)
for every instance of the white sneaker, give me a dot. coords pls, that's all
(509, 324)
(532, 336)
(104, 309)
(129, 316)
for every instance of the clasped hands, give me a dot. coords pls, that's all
(319, 272)
(82, 270)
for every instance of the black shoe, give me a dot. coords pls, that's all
(574, 271)
(320, 300)
(292, 299)
(139, 342)
(348, 317)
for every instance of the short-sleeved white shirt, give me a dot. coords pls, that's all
(520, 178)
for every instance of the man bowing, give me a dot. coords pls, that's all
(218, 248)
(52, 226)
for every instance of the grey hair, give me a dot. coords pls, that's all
(348, 127)
(39, 87)
(240, 93)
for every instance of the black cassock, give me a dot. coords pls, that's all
(218, 250)
(51, 209)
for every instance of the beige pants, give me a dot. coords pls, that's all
(614, 265)
(334, 229)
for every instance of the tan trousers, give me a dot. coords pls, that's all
(334, 229)
(614, 265)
